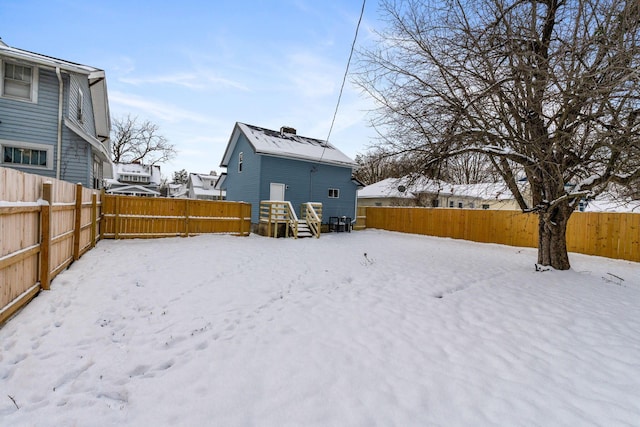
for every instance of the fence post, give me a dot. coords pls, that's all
(103, 220)
(45, 239)
(186, 217)
(94, 219)
(116, 230)
(78, 223)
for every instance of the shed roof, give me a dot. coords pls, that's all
(287, 145)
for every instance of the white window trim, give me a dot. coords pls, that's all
(29, 146)
(34, 81)
(240, 161)
(337, 191)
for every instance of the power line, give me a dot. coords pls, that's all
(346, 72)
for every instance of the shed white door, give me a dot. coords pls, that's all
(276, 191)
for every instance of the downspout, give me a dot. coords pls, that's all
(60, 105)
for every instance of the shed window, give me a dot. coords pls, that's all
(334, 193)
(240, 162)
(18, 81)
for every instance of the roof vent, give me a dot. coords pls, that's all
(287, 129)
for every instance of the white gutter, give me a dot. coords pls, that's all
(60, 104)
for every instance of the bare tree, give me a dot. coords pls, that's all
(468, 168)
(548, 90)
(134, 141)
(377, 165)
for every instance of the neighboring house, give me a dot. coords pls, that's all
(264, 164)
(134, 179)
(610, 203)
(203, 186)
(177, 191)
(403, 192)
(54, 117)
(421, 191)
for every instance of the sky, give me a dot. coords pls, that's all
(195, 68)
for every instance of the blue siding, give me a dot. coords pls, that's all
(244, 187)
(310, 182)
(33, 122)
(305, 181)
(77, 159)
(38, 123)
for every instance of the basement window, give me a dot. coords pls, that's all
(28, 155)
(334, 193)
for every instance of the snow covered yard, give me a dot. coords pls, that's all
(370, 328)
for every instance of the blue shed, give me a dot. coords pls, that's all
(267, 165)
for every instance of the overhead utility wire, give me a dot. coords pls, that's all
(344, 78)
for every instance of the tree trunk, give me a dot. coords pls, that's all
(552, 237)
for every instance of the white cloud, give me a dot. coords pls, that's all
(167, 112)
(312, 76)
(196, 80)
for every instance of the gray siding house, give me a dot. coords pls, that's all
(264, 164)
(54, 117)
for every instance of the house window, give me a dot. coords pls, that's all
(485, 207)
(240, 162)
(26, 154)
(18, 81)
(334, 193)
(80, 107)
(460, 205)
(451, 204)
(97, 173)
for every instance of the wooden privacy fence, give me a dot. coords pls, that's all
(612, 235)
(45, 224)
(127, 217)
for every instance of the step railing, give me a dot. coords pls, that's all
(311, 213)
(276, 212)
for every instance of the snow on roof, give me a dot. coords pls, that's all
(132, 189)
(390, 187)
(201, 184)
(612, 205)
(285, 144)
(199, 191)
(137, 169)
(486, 191)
